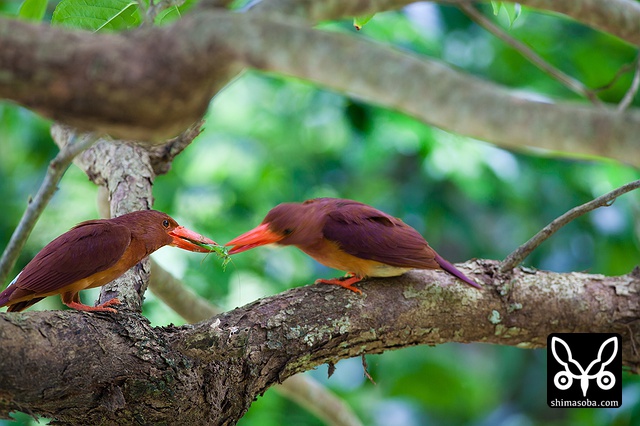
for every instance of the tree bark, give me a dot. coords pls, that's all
(120, 369)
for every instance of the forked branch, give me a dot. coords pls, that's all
(515, 258)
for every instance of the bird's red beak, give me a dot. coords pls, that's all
(258, 236)
(186, 239)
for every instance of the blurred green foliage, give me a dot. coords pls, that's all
(269, 139)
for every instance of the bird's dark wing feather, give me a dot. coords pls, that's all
(90, 247)
(368, 233)
(21, 306)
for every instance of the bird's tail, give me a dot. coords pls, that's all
(6, 294)
(455, 271)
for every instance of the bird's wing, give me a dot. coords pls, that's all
(90, 247)
(368, 233)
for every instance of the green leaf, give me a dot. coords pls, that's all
(174, 12)
(168, 15)
(513, 11)
(113, 15)
(496, 7)
(360, 21)
(33, 10)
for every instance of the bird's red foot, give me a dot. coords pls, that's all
(100, 308)
(114, 301)
(346, 282)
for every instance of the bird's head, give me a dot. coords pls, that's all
(286, 224)
(159, 229)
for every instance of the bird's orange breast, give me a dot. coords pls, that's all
(329, 254)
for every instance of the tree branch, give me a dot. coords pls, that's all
(316, 11)
(304, 390)
(565, 79)
(126, 172)
(180, 298)
(617, 17)
(161, 156)
(57, 167)
(525, 250)
(210, 372)
(149, 84)
(633, 89)
(97, 88)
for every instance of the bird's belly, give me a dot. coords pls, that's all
(330, 255)
(383, 270)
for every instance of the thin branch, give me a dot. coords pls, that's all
(622, 71)
(524, 250)
(144, 11)
(316, 399)
(568, 81)
(631, 93)
(303, 390)
(56, 170)
(184, 301)
(162, 156)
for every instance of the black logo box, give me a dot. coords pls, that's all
(584, 370)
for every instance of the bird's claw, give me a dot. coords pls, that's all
(100, 308)
(346, 282)
(114, 301)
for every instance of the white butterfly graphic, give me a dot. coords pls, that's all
(564, 379)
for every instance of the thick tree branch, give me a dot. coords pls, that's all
(617, 17)
(449, 99)
(316, 11)
(149, 84)
(121, 369)
(89, 83)
(302, 389)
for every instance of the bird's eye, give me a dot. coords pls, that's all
(165, 223)
(288, 231)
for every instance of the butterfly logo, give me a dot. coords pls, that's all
(564, 379)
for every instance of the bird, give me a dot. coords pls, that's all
(94, 253)
(347, 235)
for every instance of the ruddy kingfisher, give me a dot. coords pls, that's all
(94, 253)
(347, 235)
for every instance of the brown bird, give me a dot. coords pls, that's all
(94, 253)
(347, 235)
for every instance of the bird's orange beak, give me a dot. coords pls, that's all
(258, 236)
(186, 239)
